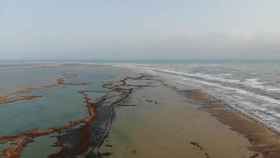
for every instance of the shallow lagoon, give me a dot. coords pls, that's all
(58, 104)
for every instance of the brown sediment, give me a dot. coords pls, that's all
(27, 97)
(23, 139)
(264, 141)
(170, 127)
(3, 99)
(60, 81)
(85, 136)
(38, 133)
(14, 152)
(17, 96)
(7, 99)
(84, 141)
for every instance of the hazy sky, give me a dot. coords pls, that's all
(139, 29)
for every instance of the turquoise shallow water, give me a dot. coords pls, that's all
(251, 87)
(58, 105)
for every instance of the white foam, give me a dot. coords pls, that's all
(255, 105)
(240, 91)
(259, 107)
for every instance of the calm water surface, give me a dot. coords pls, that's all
(58, 105)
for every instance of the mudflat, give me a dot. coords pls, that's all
(143, 116)
(167, 123)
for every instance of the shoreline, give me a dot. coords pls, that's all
(164, 124)
(87, 133)
(250, 96)
(264, 140)
(168, 116)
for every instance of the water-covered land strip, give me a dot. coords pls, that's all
(21, 94)
(100, 112)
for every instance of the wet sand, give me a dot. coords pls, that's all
(165, 123)
(142, 116)
(263, 140)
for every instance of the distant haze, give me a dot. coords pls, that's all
(143, 29)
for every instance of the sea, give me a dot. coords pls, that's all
(249, 86)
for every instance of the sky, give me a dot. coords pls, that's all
(143, 29)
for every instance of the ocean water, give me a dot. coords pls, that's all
(251, 87)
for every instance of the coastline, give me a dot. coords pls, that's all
(263, 140)
(253, 137)
(144, 116)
